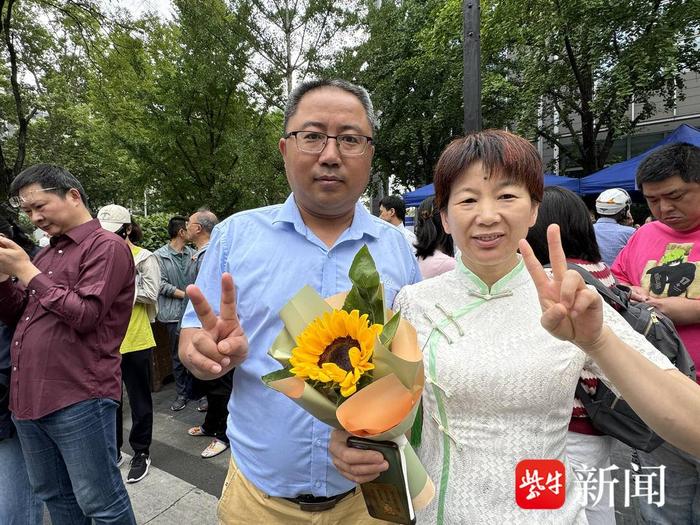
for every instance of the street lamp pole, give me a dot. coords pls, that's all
(472, 66)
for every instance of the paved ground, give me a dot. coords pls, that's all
(181, 486)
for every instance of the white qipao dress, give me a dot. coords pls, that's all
(499, 389)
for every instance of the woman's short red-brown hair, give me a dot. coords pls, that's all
(501, 153)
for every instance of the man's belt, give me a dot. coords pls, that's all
(310, 503)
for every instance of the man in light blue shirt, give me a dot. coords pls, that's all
(613, 210)
(280, 452)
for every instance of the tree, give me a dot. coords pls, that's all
(173, 99)
(291, 38)
(411, 63)
(579, 64)
(584, 61)
(37, 39)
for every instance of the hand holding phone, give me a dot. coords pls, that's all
(387, 496)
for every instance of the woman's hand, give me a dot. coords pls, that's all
(570, 310)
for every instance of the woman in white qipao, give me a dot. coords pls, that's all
(504, 346)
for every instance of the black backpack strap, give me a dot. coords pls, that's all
(603, 290)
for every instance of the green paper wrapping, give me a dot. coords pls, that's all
(383, 410)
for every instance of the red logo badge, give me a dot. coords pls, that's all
(540, 484)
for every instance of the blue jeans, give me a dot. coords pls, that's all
(18, 504)
(682, 487)
(71, 458)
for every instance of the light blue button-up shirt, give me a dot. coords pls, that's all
(611, 237)
(272, 254)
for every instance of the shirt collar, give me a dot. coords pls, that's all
(362, 222)
(173, 251)
(607, 219)
(502, 287)
(200, 251)
(79, 233)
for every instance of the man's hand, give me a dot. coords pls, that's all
(211, 351)
(637, 293)
(570, 311)
(680, 310)
(357, 465)
(179, 294)
(15, 261)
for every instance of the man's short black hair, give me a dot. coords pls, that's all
(48, 176)
(680, 159)
(395, 202)
(175, 224)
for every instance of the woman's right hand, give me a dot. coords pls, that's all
(570, 310)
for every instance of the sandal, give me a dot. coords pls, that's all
(196, 431)
(215, 448)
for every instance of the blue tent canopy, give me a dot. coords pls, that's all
(570, 183)
(622, 174)
(414, 198)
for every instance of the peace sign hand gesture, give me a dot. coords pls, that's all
(570, 310)
(220, 344)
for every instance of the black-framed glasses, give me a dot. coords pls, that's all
(314, 141)
(16, 201)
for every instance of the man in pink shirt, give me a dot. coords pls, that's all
(661, 262)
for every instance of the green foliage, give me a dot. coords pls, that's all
(366, 294)
(579, 64)
(171, 98)
(583, 60)
(292, 40)
(155, 230)
(414, 83)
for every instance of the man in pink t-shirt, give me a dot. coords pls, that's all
(661, 262)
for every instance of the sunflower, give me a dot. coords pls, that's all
(336, 348)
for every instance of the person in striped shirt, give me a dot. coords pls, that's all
(587, 447)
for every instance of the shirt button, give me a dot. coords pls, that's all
(50, 272)
(26, 318)
(60, 251)
(317, 484)
(14, 368)
(33, 292)
(16, 343)
(318, 443)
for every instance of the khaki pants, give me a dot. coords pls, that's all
(242, 503)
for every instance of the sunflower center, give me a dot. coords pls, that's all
(338, 352)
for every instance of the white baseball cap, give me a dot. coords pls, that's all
(112, 217)
(612, 201)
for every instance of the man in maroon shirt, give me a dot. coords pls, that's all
(71, 307)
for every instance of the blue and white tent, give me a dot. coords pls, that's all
(622, 174)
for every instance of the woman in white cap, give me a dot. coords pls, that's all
(138, 341)
(612, 230)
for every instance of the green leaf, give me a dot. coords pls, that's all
(389, 330)
(367, 294)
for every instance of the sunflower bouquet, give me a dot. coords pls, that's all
(353, 364)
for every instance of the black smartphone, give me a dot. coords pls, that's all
(387, 496)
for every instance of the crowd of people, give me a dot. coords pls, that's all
(505, 340)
